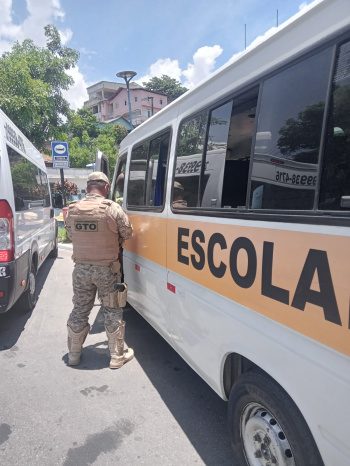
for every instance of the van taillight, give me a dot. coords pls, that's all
(6, 232)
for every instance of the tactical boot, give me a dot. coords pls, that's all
(75, 344)
(119, 355)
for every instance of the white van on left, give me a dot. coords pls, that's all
(28, 230)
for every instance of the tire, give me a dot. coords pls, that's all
(27, 301)
(266, 427)
(54, 253)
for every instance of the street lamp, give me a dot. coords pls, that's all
(127, 76)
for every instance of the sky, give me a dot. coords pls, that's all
(185, 39)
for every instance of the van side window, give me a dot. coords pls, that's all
(189, 153)
(285, 166)
(30, 185)
(137, 175)
(148, 166)
(228, 150)
(118, 193)
(335, 180)
(157, 165)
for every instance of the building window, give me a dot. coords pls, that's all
(161, 101)
(149, 113)
(135, 99)
(95, 109)
(116, 105)
(124, 102)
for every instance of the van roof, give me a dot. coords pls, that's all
(14, 137)
(315, 24)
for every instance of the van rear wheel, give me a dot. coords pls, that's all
(27, 301)
(266, 426)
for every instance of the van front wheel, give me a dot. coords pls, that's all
(266, 426)
(27, 301)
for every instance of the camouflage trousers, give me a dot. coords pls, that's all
(87, 280)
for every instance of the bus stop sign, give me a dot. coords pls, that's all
(60, 154)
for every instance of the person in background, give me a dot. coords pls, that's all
(119, 192)
(178, 193)
(97, 227)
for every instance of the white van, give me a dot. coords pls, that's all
(28, 231)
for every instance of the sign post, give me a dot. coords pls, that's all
(60, 159)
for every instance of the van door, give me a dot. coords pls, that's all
(101, 163)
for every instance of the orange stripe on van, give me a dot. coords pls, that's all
(292, 274)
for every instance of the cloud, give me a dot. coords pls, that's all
(85, 51)
(204, 60)
(302, 6)
(39, 14)
(76, 94)
(162, 66)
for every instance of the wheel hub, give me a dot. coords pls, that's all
(264, 441)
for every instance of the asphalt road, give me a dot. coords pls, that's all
(153, 411)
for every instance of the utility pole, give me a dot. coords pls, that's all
(62, 186)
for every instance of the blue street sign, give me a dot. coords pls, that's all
(60, 154)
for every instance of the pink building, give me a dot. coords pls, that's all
(109, 100)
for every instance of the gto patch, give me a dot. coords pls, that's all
(2, 271)
(86, 226)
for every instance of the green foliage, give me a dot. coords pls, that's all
(69, 187)
(62, 235)
(32, 79)
(302, 133)
(165, 85)
(85, 136)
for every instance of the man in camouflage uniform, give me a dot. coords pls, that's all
(97, 227)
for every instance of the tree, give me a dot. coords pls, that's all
(86, 135)
(81, 121)
(32, 79)
(300, 137)
(165, 85)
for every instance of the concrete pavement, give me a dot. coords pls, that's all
(153, 411)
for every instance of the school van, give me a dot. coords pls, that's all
(239, 197)
(28, 231)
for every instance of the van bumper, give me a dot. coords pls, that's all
(7, 285)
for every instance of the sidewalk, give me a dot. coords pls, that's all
(67, 246)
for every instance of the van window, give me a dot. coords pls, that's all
(189, 157)
(157, 165)
(137, 175)
(227, 157)
(285, 166)
(148, 166)
(335, 181)
(118, 194)
(30, 184)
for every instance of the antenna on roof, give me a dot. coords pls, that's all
(277, 18)
(245, 36)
